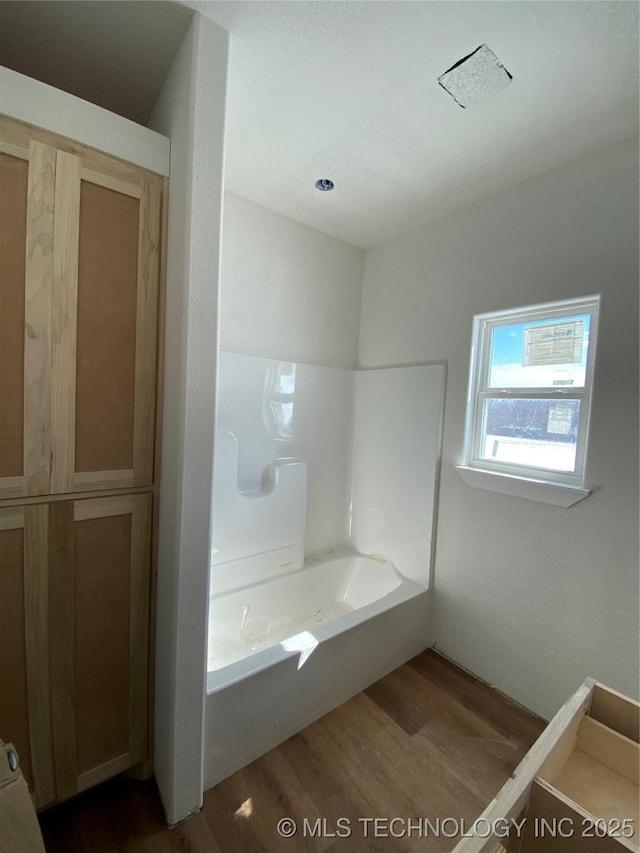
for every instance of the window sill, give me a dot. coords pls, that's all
(559, 494)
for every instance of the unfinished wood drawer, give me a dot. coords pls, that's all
(576, 790)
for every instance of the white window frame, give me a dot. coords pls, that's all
(549, 485)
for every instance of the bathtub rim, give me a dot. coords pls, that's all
(309, 562)
(232, 673)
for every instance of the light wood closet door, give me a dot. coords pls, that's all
(74, 639)
(79, 258)
(27, 175)
(25, 695)
(105, 271)
(99, 621)
(79, 254)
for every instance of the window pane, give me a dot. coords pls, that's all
(540, 354)
(535, 433)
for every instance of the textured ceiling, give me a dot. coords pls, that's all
(349, 91)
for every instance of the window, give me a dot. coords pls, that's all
(530, 396)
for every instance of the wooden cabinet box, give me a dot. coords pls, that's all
(576, 790)
(79, 331)
(79, 261)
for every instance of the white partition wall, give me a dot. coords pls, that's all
(191, 111)
(396, 451)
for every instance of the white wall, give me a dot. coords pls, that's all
(191, 111)
(529, 596)
(288, 291)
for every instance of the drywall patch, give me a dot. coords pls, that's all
(475, 78)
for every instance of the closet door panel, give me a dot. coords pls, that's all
(100, 555)
(27, 177)
(107, 290)
(147, 332)
(14, 180)
(61, 558)
(117, 316)
(14, 716)
(64, 310)
(25, 716)
(139, 626)
(37, 298)
(78, 318)
(101, 639)
(36, 607)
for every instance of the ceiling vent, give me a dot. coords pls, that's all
(475, 78)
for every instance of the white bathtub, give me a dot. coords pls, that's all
(285, 651)
(253, 628)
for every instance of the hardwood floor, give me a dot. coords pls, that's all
(428, 741)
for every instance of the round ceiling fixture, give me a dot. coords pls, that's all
(324, 185)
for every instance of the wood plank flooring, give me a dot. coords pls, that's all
(428, 741)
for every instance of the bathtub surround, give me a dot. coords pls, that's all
(370, 442)
(269, 520)
(286, 409)
(398, 416)
(287, 641)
